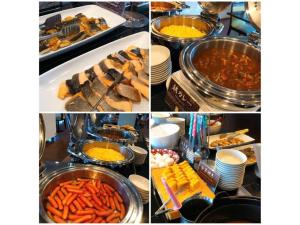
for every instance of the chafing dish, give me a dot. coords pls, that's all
(131, 197)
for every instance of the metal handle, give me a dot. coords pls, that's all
(219, 28)
(254, 38)
(46, 37)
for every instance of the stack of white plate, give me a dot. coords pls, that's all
(142, 185)
(140, 154)
(230, 164)
(161, 65)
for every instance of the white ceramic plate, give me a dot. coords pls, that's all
(159, 54)
(113, 21)
(140, 182)
(247, 140)
(49, 81)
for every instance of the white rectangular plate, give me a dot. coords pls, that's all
(49, 81)
(247, 140)
(113, 21)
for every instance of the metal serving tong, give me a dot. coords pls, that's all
(109, 89)
(236, 133)
(51, 22)
(65, 31)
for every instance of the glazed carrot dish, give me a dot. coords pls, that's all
(85, 201)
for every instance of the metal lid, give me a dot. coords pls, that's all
(214, 7)
(253, 11)
(42, 136)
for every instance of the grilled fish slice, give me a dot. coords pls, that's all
(142, 76)
(128, 92)
(93, 98)
(73, 84)
(90, 73)
(99, 87)
(77, 104)
(141, 87)
(112, 99)
(118, 102)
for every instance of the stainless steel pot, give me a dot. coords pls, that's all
(131, 197)
(78, 151)
(215, 95)
(193, 21)
(42, 136)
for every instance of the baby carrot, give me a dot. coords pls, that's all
(65, 212)
(52, 202)
(60, 195)
(58, 219)
(58, 201)
(71, 199)
(112, 203)
(115, 220)
(54, 211)
(86, 201)
(112, 216)
(118, 197)
(96, 205)
(65, 183)
(109, 187)
(122, 212)
(83, 219)
(69, 195)
(96, 199)
(83, 205)
(85, 212)
(98, 220)
(117, 203)
(72, 208)
(77, 191)
(107, 201)
(64, 191)
(91, 190)
(104, 213)
(55, 191)
(77, 205)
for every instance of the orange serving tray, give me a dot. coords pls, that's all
(156, 175)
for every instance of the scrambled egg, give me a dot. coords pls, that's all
(182, 31)
(105, 154)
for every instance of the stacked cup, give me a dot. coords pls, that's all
(161, 65)
(142, 185)
(230, 164)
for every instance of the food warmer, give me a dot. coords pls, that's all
(132, 200)
(60, 172)
(76, 150)
(201, 89)
(208, 21)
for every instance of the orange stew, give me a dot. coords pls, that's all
(229, 68)
(85, 201)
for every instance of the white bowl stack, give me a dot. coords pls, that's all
(165, 136)
(140, 154)
(230, 164)
(179, 121)
(161, 65)
(142, 185)
(160, 117)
